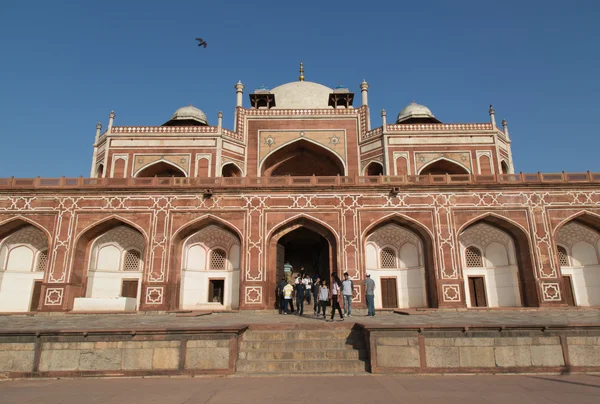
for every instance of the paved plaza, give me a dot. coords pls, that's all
(580, 389)
(88, 322)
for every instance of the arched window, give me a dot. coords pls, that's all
(217, 259)
(473, 257)
(100, 171)
(388, 258)
(504, 167)
(563, 257)
(132, 261)
(42, 260)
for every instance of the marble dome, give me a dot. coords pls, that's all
(302, 95)
(188, 114)
(414, 110)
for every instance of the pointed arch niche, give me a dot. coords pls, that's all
(496, 265)
(205, 266)
(108, 267)
(579, 242)
(161, 169)
(23, 260)
(443, 166)
(302, 158)
(396, 253)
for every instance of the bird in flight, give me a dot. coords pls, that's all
(201, 42)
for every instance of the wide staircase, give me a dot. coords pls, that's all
(308, 351)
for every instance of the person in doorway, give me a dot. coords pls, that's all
(315, 292)
(370, 292)
(288, 292)
(279, 292)
(324, 298)
(300, 296)
(347, 293)
(308, 284)
(336, 291)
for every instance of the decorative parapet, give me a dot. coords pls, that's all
(395, 182)
(439, 127)
(164, 129)
(233, 135)
(372, 133)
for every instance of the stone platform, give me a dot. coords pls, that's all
(266, 343)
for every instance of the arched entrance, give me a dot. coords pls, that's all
(374, 168)
(399, 252)
(231, 170)
(302, 243)
(302, 158)
(578, 248)
(205, 266)
(23, 261)
(108, 264)
(500, 249)
(161, 169)
(443, 166)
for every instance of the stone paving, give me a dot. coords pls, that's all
(169, 321)
(580, 389)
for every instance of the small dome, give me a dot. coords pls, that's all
(301, 95)
(416, 113)
(187, 116)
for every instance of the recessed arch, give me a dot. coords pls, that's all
(178, 241)
(504, 167)
(306, 228)
(160, 168)
(426, 239)
(527, 279)
(80, 261)
(373, 168)
(579, 238)
(302, 157)
(231, 169)
(15, 223)
(443, 165)
(100, 171)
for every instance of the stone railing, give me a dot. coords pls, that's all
(439, 127)
(288, 181)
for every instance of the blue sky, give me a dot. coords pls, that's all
(64, 65)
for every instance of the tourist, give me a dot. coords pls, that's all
(279, 292)
(370, 291)
(315, 292)
(300, 295)
(288, 292)
(335, 292)
(308, 284)
(347, 292)
(324, 298)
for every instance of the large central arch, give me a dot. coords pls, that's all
(287, 243)
(302, 158)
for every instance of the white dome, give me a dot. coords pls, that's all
(414, 110)
(189, 113)
(301, 95)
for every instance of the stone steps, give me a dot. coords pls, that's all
(300, 366)
(302, 350)
(304, 355)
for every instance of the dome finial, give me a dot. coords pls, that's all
(301, 78)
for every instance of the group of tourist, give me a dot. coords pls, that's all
(303, 289)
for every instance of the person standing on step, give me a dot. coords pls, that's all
(280, 301)
(336, 291)
(370, 291)
(288, 292)
(300, 296)
(308, 283)
(324, 298)
(315, 292)
(347, 292)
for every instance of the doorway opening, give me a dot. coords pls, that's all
(215, 290)
(477, 291)
(389, 293)
(304, 248)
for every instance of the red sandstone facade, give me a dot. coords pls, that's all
(286, 179)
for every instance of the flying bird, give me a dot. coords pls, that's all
(201, 42)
